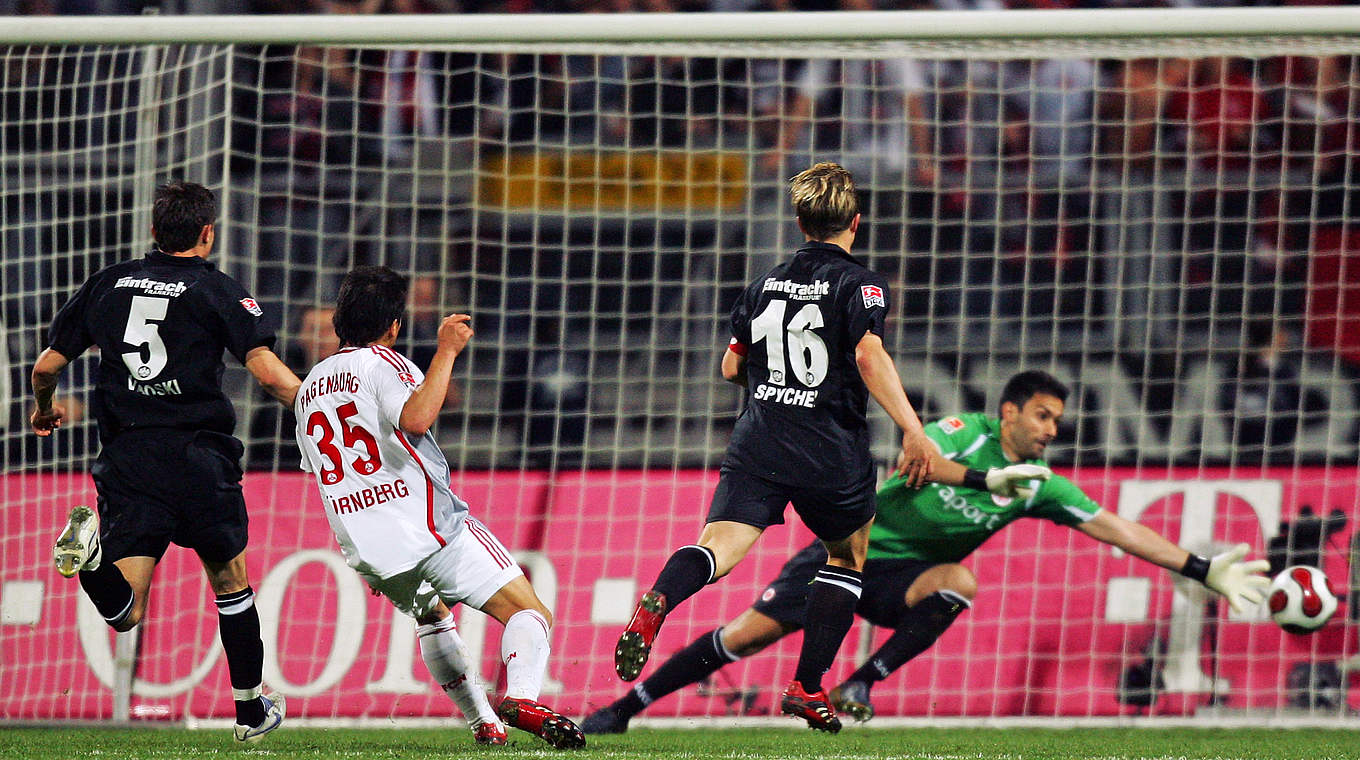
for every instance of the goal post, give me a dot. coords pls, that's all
(1158, 207)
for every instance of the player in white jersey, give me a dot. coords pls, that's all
(364, 416)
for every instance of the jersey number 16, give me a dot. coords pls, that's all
(807, 357)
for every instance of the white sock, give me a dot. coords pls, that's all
(447, 657)
(524, 650)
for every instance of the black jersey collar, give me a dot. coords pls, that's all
(830, 248)
(158, 257)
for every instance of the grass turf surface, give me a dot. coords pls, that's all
(725, 744)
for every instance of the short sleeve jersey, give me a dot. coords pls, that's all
(386, 493)
(161, 324)
(941, 523)
(804, 422)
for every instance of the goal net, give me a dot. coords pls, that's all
(1156, 207)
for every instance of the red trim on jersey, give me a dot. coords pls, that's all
(479, 532)
(429, 489)
(736, 347)
(398, 366)
(397, 359)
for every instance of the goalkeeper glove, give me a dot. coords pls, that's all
(1015, 481)
(1239, 582)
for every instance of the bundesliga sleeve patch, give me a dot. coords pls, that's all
(407, 378)
(951, 424)
(254, 308)
(873, 296)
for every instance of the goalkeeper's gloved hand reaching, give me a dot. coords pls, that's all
(1241, 583)
(1016, 480)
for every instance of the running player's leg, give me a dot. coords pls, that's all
(477, 570)
(749, 633)
(238, 620)
(451, 665)
(841, 519)
(930, 605)
(116, 547)
(743, 506)
(212, 520)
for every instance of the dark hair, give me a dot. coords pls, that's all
(370, 300)
(1022, 387)
(181, 211)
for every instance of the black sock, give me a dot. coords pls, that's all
(830, 612)
(109, 591)
(689, 569)
(919, 627)
(239, 622)
(702, 658)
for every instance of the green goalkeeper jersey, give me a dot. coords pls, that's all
(941, 523)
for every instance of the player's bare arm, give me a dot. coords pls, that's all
(422, 408)
(272, 374)
(47, 416)
(876, 367)
(734, 368)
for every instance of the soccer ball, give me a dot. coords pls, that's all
(1301, 599)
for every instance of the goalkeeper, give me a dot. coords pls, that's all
(913, 582)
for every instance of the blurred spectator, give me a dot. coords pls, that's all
(1262, 398)
(1222, 108)
(271, 443)
(869, 116)
(313, 140)
(1133, 111)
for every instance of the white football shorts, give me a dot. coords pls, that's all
(470, 569)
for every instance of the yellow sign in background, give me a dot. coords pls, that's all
(631, 181)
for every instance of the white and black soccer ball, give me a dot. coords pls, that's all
(1301, 599)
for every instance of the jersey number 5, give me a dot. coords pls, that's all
(350, 436)
(143, 332)
(807, 357)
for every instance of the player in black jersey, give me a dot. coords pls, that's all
(169, 467)
(807, 342)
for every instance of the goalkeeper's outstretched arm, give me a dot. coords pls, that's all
(1241, 583)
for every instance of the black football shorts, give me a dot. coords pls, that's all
(882, 601)
(832, 514)
(161, 486)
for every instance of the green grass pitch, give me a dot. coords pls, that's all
(720, 744)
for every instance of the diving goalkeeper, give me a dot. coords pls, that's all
(913, 582)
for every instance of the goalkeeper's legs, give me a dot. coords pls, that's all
(721, 546)
(448, 660)
(933, 601)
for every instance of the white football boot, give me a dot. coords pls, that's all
(77, 547)
(274, 709)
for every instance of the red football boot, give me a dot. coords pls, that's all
(489, 733)
(814, 708)
(635, 645)
(541, 721)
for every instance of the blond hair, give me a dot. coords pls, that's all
(824, 200)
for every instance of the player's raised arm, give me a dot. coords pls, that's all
(422, 408)
(876, 367)
(47, 416)
(1241, 583)
(273, 375)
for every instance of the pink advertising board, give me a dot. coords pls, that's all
(1056, 620)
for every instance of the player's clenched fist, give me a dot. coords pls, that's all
(455, 332)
